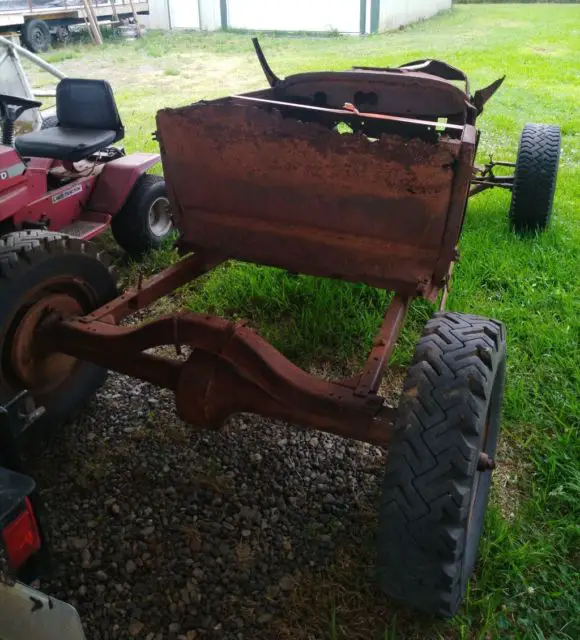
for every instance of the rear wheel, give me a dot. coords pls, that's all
(535, 178)
(35, 36)
(45, 276)
(437, 480)
(144, 222)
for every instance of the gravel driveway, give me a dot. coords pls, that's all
(162, 531)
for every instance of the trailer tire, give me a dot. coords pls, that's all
(138, 227)
(535, 178)
(49, 123)
(35, 35)
(35, 264)
(434, 497)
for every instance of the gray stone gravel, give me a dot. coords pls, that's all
(162, 531)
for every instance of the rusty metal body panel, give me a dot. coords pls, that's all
(278, 185)
(381, 91)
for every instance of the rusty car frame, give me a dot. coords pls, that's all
(362, 176)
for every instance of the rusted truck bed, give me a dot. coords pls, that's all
(269, 178)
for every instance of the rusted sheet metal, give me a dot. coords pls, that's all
(458, 203)
(482, 96)
(253, 185)
(231, 369)
(409, 93)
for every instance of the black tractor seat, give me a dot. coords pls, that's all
(64, 143)
(88, 121)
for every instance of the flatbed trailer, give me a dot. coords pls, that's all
(37, 21)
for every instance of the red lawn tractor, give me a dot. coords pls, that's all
(70, 178)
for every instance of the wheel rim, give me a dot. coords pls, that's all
(38, 38)
(160, 222)
(482, 479)
(27, 360)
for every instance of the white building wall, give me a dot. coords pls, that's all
(290, 15)
(397, 13)
(184, 14)
(295, 15)
(210, 15)
(158, 14)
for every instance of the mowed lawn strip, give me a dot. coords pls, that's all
(527, 583)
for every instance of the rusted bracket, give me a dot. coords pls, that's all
(383, 345)
(271, 77)
(154, 288)
(446, 288)
(477, 186)
(481, 96)
(484, 178)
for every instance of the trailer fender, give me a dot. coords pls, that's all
(117, 181)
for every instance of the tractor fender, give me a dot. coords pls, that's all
(117, 180)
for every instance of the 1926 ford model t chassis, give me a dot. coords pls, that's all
(362, 176)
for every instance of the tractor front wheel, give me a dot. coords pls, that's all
(45, 277)
(144, 222)
(439, 465)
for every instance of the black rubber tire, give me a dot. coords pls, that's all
(27, 260)
(131, 227)
(49, 123)
(535, 178)
(35, 36)
(434, 498)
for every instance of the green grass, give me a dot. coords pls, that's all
(57, 56)
(527, 583)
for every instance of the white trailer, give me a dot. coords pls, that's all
(38, 21)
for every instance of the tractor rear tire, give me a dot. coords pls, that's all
(35, 36)
(33, 266)
(144, 223)
(535, 178)
(434, 493)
